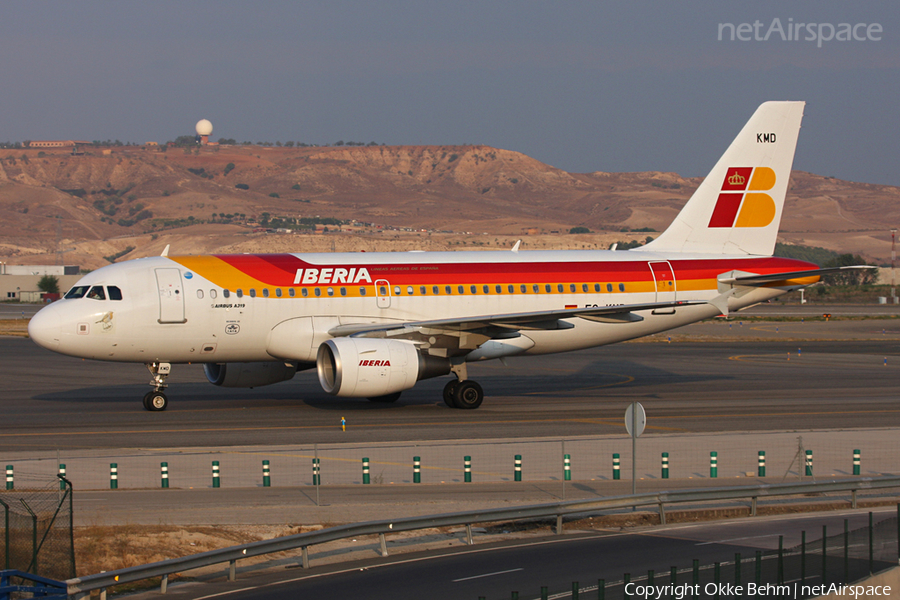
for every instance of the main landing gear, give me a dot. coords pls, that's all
(156, 400)
(461, 392)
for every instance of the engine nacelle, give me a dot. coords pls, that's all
(248, 375)
(371, 367)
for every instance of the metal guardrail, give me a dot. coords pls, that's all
(80, 587)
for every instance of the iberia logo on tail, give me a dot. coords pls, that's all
(742, 202)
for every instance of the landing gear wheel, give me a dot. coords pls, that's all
(386, 398)
(449, 391)
(155, 401)
(468, 395)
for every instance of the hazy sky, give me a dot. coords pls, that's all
(581, 85)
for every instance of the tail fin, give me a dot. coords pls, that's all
(737, 208)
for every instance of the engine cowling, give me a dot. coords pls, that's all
(371, 367)
(248, 375)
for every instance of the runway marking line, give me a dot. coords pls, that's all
(291, 428)
(487, 575)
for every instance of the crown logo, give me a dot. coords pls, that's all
(736, 179)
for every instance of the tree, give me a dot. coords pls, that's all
(49, 284)
(850, 276)
(579, 230)
(228, 168)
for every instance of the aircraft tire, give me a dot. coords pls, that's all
(387, 398)
(468, 395)
(155, 401)
(449, 391)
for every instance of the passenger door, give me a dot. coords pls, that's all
(171, 295)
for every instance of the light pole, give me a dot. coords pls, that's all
(893, 258)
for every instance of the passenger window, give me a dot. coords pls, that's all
(253, 292)
(621, 287)
(226, 293)
(265, 292)
(596, 287)
(435, 290)
(239, 293)
(317, 291)
(409, 290)
(397, 290)
(115, 293)
(523, 288)
(486, 289)
(572, 287)
(97, 293)
(212, 293)
(559, 287)
(278, 292)
(584, 287)
(382, 290)
(548, 288)
(423, 290)
(461, 289)
(330, 291)
(448, 289)
(474, 289)
(511, 289)
(343, 291)
(304, 292)
(362, 291)
(199, 294)
(536, 288)
(292, 292)
(608, 287)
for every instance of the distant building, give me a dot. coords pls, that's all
(56, 143)
(6, 269)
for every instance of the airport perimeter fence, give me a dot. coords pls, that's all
(36, 530)
(823, 562)
(787, 456)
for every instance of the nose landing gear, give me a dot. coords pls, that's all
(156, 400)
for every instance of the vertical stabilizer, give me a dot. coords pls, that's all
(737, 208)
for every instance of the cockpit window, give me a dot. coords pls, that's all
(114, 292)
(97, 293)
(77, 292)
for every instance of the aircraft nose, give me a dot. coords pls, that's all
(44, 328)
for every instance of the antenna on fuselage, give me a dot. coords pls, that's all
(516, 247)
(165, 251)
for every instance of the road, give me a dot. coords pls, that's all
(496, 570)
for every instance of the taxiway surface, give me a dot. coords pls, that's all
(716, 376)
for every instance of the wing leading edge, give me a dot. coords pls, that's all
(544, 320)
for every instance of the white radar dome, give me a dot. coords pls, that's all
(204, 127)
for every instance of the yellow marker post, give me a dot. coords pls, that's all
(343, 424)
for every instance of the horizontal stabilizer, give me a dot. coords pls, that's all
(759, 280)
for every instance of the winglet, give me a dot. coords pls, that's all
(165, 251)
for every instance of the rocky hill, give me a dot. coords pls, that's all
(212, 199)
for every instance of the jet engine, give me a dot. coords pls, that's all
(249, 374)
(370, 367)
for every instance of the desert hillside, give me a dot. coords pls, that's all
(221, 198)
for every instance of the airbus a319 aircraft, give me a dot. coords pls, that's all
(374, 324)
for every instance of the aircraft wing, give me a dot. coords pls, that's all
(758, 280)
(546, 319)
